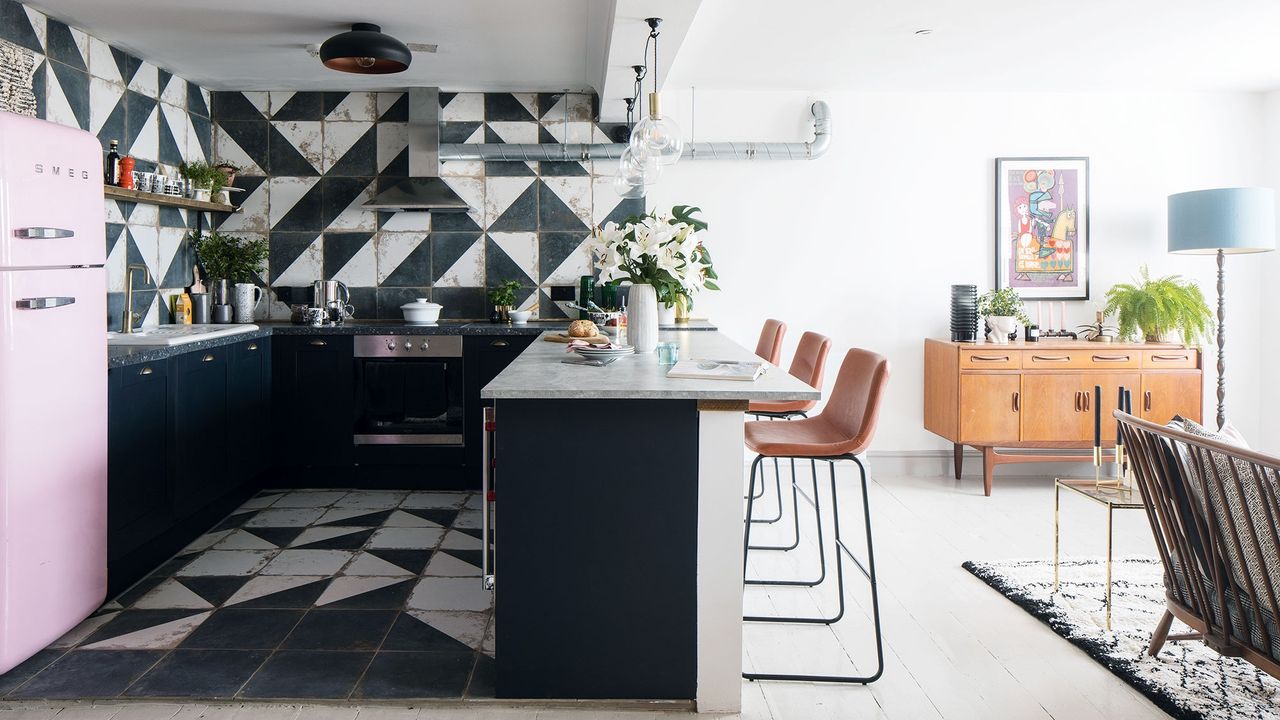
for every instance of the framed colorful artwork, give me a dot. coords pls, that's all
(1042, 227)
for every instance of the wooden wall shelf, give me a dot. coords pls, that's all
(120, 193)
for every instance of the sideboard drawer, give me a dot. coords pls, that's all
(1074, 359)
(1171, 359)
(995, 359)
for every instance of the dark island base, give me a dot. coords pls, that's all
(596, 548)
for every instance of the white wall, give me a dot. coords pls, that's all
(864, 243)
(1269, 400)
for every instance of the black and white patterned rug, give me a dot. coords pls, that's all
(1188, 680)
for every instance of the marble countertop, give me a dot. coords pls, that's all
(123, 356)
(539, 373)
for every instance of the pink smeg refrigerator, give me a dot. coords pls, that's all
(53, 384)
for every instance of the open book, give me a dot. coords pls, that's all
(717, 370)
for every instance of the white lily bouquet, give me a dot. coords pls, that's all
(664, 250)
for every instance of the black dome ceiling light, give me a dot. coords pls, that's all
(367, 50)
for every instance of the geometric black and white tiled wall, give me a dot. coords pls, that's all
(311, 159)
(159, 119)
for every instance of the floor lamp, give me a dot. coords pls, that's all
(1224, 221)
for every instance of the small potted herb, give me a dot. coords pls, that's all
(229, 171)
(1157, 308)
(205, 179)
(503, 298)
(227, 257)
(1003, 310)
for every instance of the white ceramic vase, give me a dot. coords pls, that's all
(1001, 327)
(642, 318)
(666, 314)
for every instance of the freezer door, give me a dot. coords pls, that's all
(51, 204)
(53, 455)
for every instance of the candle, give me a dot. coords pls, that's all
(1097, 416)
(1038, 304)
(1063, 311)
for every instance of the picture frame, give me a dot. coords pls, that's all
(1042, 242)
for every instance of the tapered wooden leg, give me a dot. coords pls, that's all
(958, 450)
(1161, 633)
(988, 468)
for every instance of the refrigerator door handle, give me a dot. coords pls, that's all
(43, 233)
(44, 303)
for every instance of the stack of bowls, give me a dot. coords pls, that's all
(964, 313)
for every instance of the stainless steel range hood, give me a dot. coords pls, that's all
(423, 190)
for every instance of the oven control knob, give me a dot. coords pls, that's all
(423, 346)
(408, 345)
(391, 344)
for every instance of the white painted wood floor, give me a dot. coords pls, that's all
(954, 648)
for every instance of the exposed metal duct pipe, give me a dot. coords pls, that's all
(554, 152)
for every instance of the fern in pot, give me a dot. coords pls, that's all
(1157, 308)
(1003, 310)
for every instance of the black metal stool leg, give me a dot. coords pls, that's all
(868, 570)
(777, 484)
(816, 504)
(795, 507)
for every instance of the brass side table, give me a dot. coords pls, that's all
(1113, 498)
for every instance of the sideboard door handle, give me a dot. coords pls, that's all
(1146, 401)
(318, 343)
(1111, 358)
(1051, 358)
(1017, 401)
(146, 370)
(499, 343)
(1078, 401)
(1169, 358)
(207, 358)
(1087, 400)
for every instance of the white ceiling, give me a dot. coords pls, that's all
(261, 44)
(982, 45)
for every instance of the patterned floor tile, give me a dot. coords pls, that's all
(319, 534)
(416, 674)
(386, 596)
(279, 591)
(341, 630)
(434, 500)
(285, 517)
(372, 499)
(466, 628)
(411, 538)
(400, 518)
(458, 540)
(444, 564)
(353, 517)
(89, 674)
(442, 517)
(309, 499)
(367, 564)
(227, 562)
(308, 674)
(468, 519)
(244, 629)
(199, 674)
(27, 668)
(308, 562)
(165, 634)
(242, 540)
(449, 593)
(172, 594)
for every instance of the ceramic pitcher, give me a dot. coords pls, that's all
(248, 297)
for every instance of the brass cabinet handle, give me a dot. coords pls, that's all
(319, 343)
(1077, 401)
(1169, 358)
(253, 346)
(1051, 358)
(1110, 358)
(499, 343)
(1017, 401)
(146, 370)
(1146, 401)
(1087, 399)
(990, 358)
(207, 358)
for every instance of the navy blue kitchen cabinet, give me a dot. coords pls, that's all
(200, 406)
(486, 357)
(139, 494)
(249, 408)
(313, 397)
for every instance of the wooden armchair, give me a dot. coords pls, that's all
(1215, 514)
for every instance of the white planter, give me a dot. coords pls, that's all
(642, 317)
(666, 314)
(1001, 327)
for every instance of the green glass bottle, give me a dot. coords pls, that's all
(586, 295)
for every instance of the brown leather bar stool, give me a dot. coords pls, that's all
(808, 365)
(769, 347)
(842, 431)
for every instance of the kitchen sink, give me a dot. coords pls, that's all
(176, 334)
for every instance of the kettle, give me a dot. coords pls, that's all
(332, 294)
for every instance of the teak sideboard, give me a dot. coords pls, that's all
(1040, 394)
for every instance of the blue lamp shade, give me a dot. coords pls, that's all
(1233, 220)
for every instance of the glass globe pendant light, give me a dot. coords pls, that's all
(634, 173)
(657, 136)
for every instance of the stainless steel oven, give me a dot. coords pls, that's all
(409, 390)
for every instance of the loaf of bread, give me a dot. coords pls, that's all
(583, 329)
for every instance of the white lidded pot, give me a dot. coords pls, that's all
(421, 311)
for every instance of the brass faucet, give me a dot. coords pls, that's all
(130, 317)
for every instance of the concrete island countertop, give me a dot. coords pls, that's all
(538, 373)
(125, 355)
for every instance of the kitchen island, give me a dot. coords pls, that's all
(618, 539)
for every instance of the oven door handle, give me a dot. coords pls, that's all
(486, 491)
